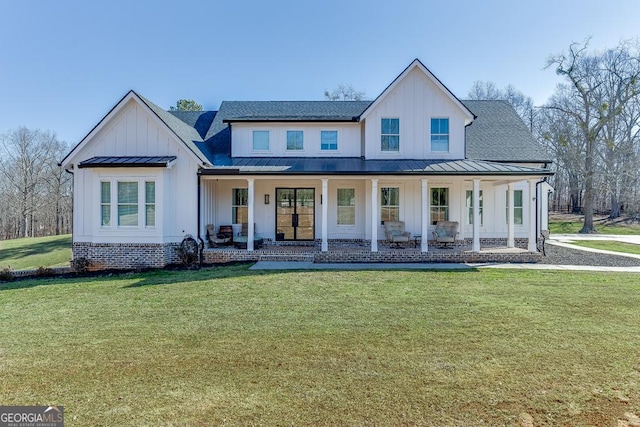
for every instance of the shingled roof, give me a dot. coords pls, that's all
(497, 134)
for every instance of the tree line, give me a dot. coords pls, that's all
(590, 127)
(35, 193)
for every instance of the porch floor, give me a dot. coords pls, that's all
(360, 252)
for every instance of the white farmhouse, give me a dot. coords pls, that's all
(323, 177)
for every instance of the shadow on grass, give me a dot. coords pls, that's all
(160, 277)
(34, 248)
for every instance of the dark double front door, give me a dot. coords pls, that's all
(295, 213)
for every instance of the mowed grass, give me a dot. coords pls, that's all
(572, 227)
(33, 252)
(235, 347)
(609, 245)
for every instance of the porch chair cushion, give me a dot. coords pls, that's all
(395, 233)
(446, 232)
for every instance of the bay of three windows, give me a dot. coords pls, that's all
(128, 203)
(390, 134)
(295, 140)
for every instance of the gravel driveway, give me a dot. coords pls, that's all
(567, 256)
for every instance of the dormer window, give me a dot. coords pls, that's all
(440, 135)
(328, 140)
(260, 140)
(295, 140)
(390, 134)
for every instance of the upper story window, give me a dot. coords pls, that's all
(390, 135)
(261, 140)
(295, 140)
(328, 140)
(440, 135)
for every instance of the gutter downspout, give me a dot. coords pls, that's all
(539, 210)
(198, 225)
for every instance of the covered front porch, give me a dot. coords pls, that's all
(307, 215)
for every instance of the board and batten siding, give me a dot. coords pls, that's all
(415, 100)
(135, 132)
(348, 139)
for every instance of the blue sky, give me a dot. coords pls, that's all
(64, 64)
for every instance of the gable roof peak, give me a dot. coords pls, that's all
(416, 63)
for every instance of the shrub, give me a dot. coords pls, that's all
(6, 274)
(80, 265)
(44, 272)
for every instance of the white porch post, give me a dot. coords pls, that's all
(250, 226)
(374, 214)
(533, 246)
(424, 242)
(325, 213)
(476, 216)
(510, 218)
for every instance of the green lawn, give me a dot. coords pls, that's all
(33, 252)
(231, 346)
(571, 227)
(609, 245)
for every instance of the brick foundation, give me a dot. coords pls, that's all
(126, 256)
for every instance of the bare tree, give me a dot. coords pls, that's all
(344, 92)
(598, 88)
(32, 186)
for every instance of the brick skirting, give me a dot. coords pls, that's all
(126, 256)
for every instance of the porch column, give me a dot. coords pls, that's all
(374, 214)
(510, 227)
(533, 244)
(424, 242)
(476, 216)
(325, 213)
(250, 225)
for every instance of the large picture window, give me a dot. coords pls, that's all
(239, 207)
(390, 135)
(127, 204)
(389, 204)
(439, 204)
(469, 199)
(346, 206)
(517, 207)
